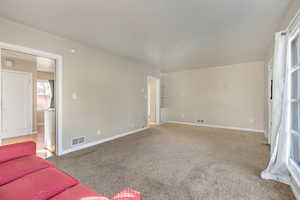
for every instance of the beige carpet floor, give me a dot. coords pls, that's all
(178, 162)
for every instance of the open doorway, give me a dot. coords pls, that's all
(153, 85)
(28, 100)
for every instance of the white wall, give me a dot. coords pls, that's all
(109, 87)
(227, 96)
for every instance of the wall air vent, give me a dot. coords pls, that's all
(78, 141)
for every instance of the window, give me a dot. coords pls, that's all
(44, 95)
(294, 97)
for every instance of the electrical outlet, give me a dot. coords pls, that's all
(119, 130)
(99, 132)
(182, 115)
(200, 121)
(133, 125)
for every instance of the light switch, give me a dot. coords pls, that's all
(9, 63)
(74, 96)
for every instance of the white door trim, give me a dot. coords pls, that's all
(58, 84)
(157, 111)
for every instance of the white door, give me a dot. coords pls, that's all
(16, 103)
(152, 100)
(153, 85)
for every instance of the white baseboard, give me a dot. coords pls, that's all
(217, 126)
(90, 144)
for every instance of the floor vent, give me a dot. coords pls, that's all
(78, 141)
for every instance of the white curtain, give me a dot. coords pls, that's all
(277, 167)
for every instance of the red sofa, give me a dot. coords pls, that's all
(24, 176)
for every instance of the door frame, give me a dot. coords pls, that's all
(58, 85)
(157, 103)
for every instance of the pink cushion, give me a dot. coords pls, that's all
(40, 185)
(127, 194)
(13, 151)
(20, 167)
(79, 192)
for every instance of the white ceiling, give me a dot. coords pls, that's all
(171, 34)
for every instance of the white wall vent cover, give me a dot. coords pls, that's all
(78, 140)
